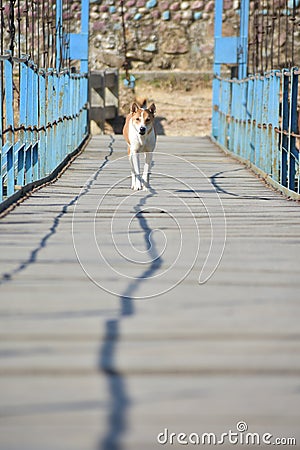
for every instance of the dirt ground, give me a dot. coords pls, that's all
(183, 108)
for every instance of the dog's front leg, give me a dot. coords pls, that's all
(146, 172)
(135, 171)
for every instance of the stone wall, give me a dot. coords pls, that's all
(161, 34)
(165, 34)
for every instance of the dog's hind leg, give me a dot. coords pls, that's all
(135, 171)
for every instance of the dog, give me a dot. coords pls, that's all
(140, 135)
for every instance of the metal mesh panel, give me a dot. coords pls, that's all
(274, 31)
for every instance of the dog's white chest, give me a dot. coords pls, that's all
(141, 143)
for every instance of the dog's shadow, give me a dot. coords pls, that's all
(118, 122)
(159, 125)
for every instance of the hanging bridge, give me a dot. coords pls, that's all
(141, 319)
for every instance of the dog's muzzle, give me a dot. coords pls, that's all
(142, 131)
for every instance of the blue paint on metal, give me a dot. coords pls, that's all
(249, 120)
(42, 124)
(79, 43)
(217, 69)
(59, 33)
(34, 122)
(262, 126)
(242, 52)
(130, 83)
(226, 50)
(291, 3)
(256, 118)
(1, 133)
(293, 119)
(8, 151)
(78, 46)
(52, 115)
(285, 124)
(273, 121)
(49, 121)
(22, 124)
(231, 50)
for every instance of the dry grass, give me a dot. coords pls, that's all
(183, 107)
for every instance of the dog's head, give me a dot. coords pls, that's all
(142, 119)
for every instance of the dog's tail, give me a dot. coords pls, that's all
(142, 102)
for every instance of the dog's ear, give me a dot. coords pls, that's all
(134, 108)
(152, 109)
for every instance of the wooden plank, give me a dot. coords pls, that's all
(198, 358)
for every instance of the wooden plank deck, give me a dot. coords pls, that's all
(84, 369)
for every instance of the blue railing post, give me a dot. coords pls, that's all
(49, 120)
(285, 124)
(66, 121)
(55, 100)
(244, 117)
(224, 111)
(273, 121)
(231, 50)
(238, 117)
(232, 129)
(216, 69)
(59, 34)
(243, 39)
(258, 118)
(79, 43)
(29, 122)
(42, 124)
(249, 120)
(84, 60)
(293, 153)
(1, 135)
(22, 121)
(34, 124)
(8, 150)
(61, 124)
(264, 161)
(70, 111)
(75, 108)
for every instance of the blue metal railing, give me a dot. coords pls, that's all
(49, 124)
(257, 121)
(255, 118)
(43, 112)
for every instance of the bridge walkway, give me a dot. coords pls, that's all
(100, 352)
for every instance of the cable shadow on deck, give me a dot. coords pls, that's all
(120, 400)
(214, 180)
(6, 277)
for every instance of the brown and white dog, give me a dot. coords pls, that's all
(140, 136)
